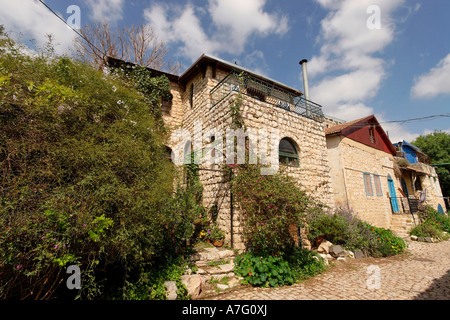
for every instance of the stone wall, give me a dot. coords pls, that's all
(308, 135)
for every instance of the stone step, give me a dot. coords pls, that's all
(212, 254)
(216, 270)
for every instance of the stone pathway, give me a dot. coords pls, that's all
(423, 273)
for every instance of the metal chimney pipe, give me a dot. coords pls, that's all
(305, 78)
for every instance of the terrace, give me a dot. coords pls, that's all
(272, 93)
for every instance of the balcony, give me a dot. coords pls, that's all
(265, 91)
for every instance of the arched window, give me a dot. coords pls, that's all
(288, 154)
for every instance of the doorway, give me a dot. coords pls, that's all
(393, 195)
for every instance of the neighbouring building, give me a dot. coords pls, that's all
(367, 176)
(419, 178)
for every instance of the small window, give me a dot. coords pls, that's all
(377, 181)
(288, 154)
(166, 105)
(191, 96)
(372, 134)
(418, 184)
(368, 184)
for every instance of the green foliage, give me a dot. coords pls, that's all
(263, 271)
(344, 228)
(150, 285)
(437, 146)
(434, 224)
(273, 205)
(273, 271)
(84, 179)
(304, 263)
(437, 218)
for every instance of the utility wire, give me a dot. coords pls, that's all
(446, 115)
(75, 30)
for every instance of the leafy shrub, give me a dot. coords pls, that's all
(150, 285)
(344, 228)
(84, 179)
(273, 271)
(387, 243)
(304, 263)
(433, 225)
(263, 271)
(427, 229)
(272, 205)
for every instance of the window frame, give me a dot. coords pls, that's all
(367, 174)
(377, 177)
(289, 157)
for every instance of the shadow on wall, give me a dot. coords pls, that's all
(438, 290)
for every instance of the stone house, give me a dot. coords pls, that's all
(419, 178)
(366, 175)
(350, 164)
(200, 109)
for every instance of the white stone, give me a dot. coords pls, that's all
(171, 290)
(193, 285)
(324, 247)
(222, 286)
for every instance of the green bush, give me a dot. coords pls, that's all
(84, 179)
(274, 271)
(344, 228)
(387, 244)
(434, 224)
(273, 206)
(304, 263)
(263, 271)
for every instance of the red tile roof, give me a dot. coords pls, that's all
(340, 127)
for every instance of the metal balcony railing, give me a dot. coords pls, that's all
(264, 91)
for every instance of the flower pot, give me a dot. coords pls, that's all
(218, 243)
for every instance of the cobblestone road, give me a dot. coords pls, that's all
(421, 273)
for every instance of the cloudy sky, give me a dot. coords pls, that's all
(390, 58)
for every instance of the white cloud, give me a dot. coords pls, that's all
(349, 53)
(185, 28)
(31, 19)
(396, 131)
(232, 23)
(106, 10)
(348, 49)
(433, 83)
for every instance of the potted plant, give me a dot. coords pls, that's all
(216, 236)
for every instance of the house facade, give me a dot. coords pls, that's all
(362, 169)
(368, 178)
(201, 112)
(419, 178)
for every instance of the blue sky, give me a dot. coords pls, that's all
(392, 60)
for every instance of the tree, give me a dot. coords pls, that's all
(437, 146)
(137, 44)
(84, 179)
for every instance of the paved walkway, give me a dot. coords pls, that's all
(421, 273)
